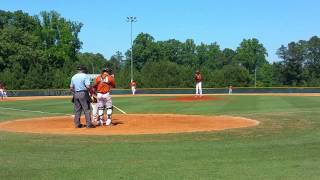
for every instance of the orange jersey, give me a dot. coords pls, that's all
(198, 78)
(104, 85)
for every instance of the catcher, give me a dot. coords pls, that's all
(102, 86)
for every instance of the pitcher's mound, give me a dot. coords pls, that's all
(130, 124)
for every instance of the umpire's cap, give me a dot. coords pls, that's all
(81, 68)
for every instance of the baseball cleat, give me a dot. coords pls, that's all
(100, 123)
(79, 126)
(108, 122)
(91, 126)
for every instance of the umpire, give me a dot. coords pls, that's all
(80, 83)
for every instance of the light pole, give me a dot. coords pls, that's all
(92, 67)
(255, 68)
(255, 76)
(131, 20)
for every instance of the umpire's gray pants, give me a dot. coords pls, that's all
(81, 102)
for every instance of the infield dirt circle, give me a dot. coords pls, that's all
(130, 124)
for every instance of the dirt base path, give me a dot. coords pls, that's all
(130, 124)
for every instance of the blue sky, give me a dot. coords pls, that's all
(227, 22)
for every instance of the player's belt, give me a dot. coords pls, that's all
(82, 91)
(104, 92)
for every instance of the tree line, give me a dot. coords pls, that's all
(172, 63)
(42, 51)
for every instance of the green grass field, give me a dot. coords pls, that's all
(286, 145)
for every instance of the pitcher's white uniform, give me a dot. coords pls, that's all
(2, 91)
(133, 85)
(198, 80)
(230, 89)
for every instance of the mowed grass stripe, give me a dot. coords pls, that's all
(53, 106)
(186, 159)
(239, 105)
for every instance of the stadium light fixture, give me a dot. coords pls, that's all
(131, 20)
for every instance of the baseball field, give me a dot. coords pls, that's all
(278, 138)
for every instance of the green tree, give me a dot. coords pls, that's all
(312, 66)
(293, 63)
(33, 47)
(232, 75)
(94, 62)
(251, 54)
(161, 74)
(170, 49)
(144, 50)
(265, 76)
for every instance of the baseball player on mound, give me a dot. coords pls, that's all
(133, 85)
(103, 85)
(198, 80)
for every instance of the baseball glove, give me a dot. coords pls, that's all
(94, 98)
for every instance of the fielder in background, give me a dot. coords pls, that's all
(133, 85)
(230, 89)
(198, 80)
(79, 86)
(3, 92)
(103, 85)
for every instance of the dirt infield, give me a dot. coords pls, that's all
(192, 98)
(130, 124)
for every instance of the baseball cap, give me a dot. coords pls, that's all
(81, 68)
